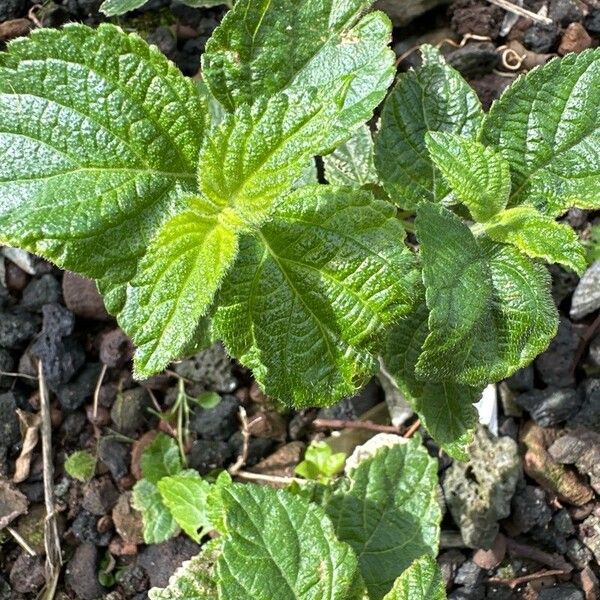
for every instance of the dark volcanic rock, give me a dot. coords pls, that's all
(73, 395)
(555, 366)
(207, 455)
(115, 455)
(565, 12)
(160, 561)
(589, 413)
(10, 433)
(474, 60)
(81, 573)
(27, 575)
(542, 38)
(550, 406)
(11, 9)
(45, 290)
(217, 423)
(85, 529)
(116, 349)
(17, 328)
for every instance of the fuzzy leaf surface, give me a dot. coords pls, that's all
(176, 283)
(159, 524)
(478, 175)
(547, 126)
(491, 311)
(390, 514)
(184, 494)
(308, 298)
(434, 98)
(538, 236)
(421, 581)
(278, 545)
(264, 47)
(81, 465)
(112, 8)
(160, 458)
(101, 131)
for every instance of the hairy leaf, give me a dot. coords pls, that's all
(478, 175)
(539, 236)
(277, 545)
(102, 132)
(434, 98)
(308, 298)
(176, 283)
(421, 581)
(491, 311)
(81, 465)
(390, 514)
(159, 524)
(547, 126)
(184, 494)
(352, 162)
(160, 458)
(264, 47)
(112, 8)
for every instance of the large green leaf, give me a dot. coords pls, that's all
(444, 407)
(491, 311)
(539, 236)
(478, 175)
(176, 283)
(160, 458)
(310, 296)
(159, 524)
(434, 98)
(390, 513)
(278, 545)
(101, 132)
(547, 125)
(421, 581)
(264, 47)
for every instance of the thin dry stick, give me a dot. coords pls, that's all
(278, 479)
(51, 537)
(522, 12)
(243, 457)
(412, 429)
(553, 561)
(347, 424)
(517, 581)
(23, 375)
(21, 541)
(97, 390)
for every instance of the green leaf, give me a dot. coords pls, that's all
(102, 132)
(538, 236)
(491, 311)
(195, 579)
(478, 175)
(421, 581)
(160, 458)
(277, 545)
(113, 8)
(257, 154)
(216, 110)
(264, 47)
(352, 163)
(159, 524)
(547, 126)
(176, 283)
(184, 494)
(207, 399)
(81, 465)
(390, 514)
(445, 408)
(320, 462)
(433, 98)
(309, 298)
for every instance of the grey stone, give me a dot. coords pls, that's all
(81, 573)
(115, 455)
(74, 394)
(541, 38)
(578, 554)
(207, 455)
(212, 368)
(586, 298)
(589, 533)
(160, 561)
(529, 509)
(479, 493)
(522, 380)
(99, 496)
(85, 529)
(17, 328)
(475, 59)
(565, 12)
(565, 591)
(588, 415)
(555, 365)
(353, 407)
(550, 406)
(41, 291)
(10, 433)
(27, 574)
(130, 410)
(217, 423)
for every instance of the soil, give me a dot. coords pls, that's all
(547, 408)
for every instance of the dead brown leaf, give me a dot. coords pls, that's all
(30, 432)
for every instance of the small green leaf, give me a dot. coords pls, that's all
(309, 298)
(176, 283)
(277, 545)
(113, 8)
(160, 459)
(421, 581)
(264, 47)
(81, 465)
(207, 399)
(390, 514)
(434, 98)
(478, 175)
(352, 163)
(538, 236)
(159, 524)
(320, 462)
(547, 126)
(184, 494)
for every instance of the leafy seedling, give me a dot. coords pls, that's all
(320, 462)
(81, 465)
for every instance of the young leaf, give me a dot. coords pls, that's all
(320, 462)
(434, 98)
(113, 8)
(491, 311)
(176, 283)
(264, 47)
(352, 163)
(445, 408)
(421, 581)
(159, 524)
(102, 131)
(308, 299)
(277, 545)
(391, 513)
(478, 175)
(81, 465)
(184, 494)
(160, 459)
(538, 236)
(547, 126)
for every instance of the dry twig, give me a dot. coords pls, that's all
(517, 581)
(236, 467)
(97, 390)
(348, 424)
(522, 12)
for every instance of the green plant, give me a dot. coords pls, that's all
(80, 465)
(320, 463)
(113, 8)
(197, 208)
